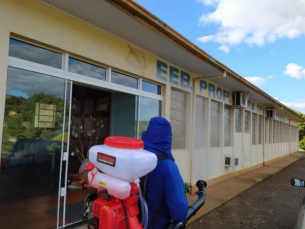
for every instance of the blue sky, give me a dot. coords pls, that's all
(265, 42)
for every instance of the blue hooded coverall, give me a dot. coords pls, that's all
(165, 187)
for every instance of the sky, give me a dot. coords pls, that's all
(262, 41)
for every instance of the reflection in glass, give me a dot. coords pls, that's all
(124, 80)
(83, 68)
(35, 54)
(148, 108)
(31, 143)
(150, 87)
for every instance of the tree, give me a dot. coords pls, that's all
(301, 126)
(302, 144)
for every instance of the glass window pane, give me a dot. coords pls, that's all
(253, 129)
(177, 144)
(259, 129)
(246, 121)
(178, 118)
(178, 125)
(178, 95)
(227, 126)
(32, 139)
(35, 54)
(237, 120)
(214, 128)
(148, 108)
(124, 80)
(177, 115)
(270, 130)
(150, 87)
(177, 134)
(177, 105)
(83, 68)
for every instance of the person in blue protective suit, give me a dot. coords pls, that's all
(165, 194)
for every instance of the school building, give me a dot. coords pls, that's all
(73, 72)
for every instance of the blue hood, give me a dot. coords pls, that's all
(158, 137)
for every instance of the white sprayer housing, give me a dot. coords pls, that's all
(123, 158)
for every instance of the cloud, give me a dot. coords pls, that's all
(209, 2)
(296, 106)
(257, 81)
(20, 82)
(253, 22)
(271, 77)
(295, 71)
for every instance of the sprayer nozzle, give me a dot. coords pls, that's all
(136, 181)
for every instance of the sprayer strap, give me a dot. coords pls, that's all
(143, 179)
(144, 191)
(155, 219)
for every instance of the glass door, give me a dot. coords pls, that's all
(32, 145)
(87, 125)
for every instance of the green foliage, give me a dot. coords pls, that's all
(187, 188)
(301, 126)
(302, 144)
(19, 119)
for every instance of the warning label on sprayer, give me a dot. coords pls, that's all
(106, 159)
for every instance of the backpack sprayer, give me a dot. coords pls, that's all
(114, 171)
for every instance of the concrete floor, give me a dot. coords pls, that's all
(219, 194)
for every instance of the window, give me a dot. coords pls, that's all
(148, 108)
(200, 127)
(214, 128)
(86, 69)
(253, 129)
(151, 87)
(282, 132)
(266, 129)
(237, 120)
(274, 131)
(287, 133)
(227, 126)
(270, 130)
(278, 132)
(124, 80)
(246, 121)
(259, 129)
(178, 99)
(35, 54)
